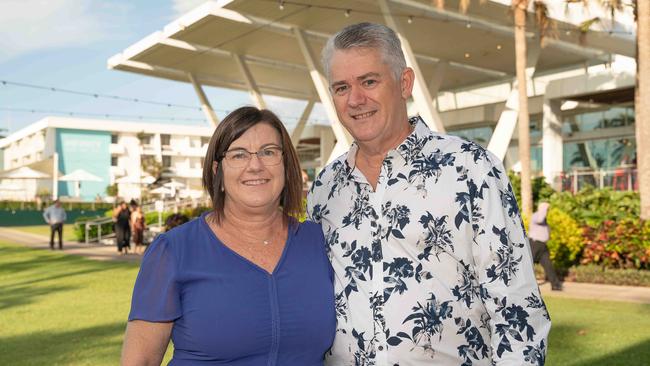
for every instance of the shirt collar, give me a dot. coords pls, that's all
(408, 149)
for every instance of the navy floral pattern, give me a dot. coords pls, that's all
(433, 265)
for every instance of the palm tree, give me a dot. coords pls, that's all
(642, 92)
(643, 109)
(520, 10)
(545, 25)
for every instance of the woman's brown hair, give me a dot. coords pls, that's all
(230, 129)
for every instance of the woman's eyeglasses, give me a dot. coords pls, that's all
(239, 158)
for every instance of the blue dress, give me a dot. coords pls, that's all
(228, 311)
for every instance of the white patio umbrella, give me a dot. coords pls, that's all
(174, 186)
(23, 173)
(78, 176)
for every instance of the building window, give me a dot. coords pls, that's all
(145, 138)
(113, 160)
(164, 140)
(167, 161)
(113, 139)
(480, 135)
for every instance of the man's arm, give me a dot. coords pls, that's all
(519, 320)
(46, 215)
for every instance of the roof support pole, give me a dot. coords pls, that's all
(343, 138)
(552, 154)
(297, 131)
(434, 84)
(421, 95)
(205, 104)
(253, 90)
(507, 123)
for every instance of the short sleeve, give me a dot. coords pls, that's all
(156, 295)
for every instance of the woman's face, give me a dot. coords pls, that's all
(255, 185)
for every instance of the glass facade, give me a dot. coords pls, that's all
(605, 153)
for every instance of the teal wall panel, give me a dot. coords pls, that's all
(87, 150)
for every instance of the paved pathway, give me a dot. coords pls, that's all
(92, 251)
(109, 252)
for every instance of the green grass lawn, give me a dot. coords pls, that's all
(68, 231)
(58, 309)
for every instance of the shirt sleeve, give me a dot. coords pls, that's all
(156, 295)
(519, 320)
(46, 215)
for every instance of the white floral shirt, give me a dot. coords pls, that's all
(432, 267)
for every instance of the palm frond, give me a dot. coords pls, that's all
(545, 24)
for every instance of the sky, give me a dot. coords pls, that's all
(66, 44)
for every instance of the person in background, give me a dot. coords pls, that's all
(137, 229)
(245, 283)
(539, 235)
(55, 216)
(122, 220)
(174, 220)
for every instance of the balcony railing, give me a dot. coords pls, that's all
(620, 179)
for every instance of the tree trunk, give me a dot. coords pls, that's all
(642, 105)
(519, 7)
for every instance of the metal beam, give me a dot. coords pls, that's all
(263, 61)
(207, 79)
(439, 71)
(342, 136)
(297, 131)
(421, 95)
(205, 103)
(253, 90)
(285, 29)
(507, 123)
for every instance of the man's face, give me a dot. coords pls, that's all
(370, 103)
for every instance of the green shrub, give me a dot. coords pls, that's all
(542, 191)
(566, 242)
(624, 244)
(598, 274)
(592, 207)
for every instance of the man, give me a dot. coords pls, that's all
(431, 260)
(539, 234)
(55, 217)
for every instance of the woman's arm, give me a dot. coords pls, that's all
(145, 343)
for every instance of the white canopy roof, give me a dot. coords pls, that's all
(213, 40)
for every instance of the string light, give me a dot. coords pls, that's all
(347, 13)
(410, 19)
(498, 47)
(281, 5)
(104, 115)
(468, 25)
(467, 54)
(96, 95)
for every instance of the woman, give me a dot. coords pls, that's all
(122, 219)
(137, 228)
(245, 283)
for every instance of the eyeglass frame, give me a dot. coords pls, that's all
(251, 153)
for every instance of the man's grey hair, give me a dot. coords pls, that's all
(367, 35)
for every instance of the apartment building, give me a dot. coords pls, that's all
(116, 152)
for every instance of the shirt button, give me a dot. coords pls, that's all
(381, 348)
